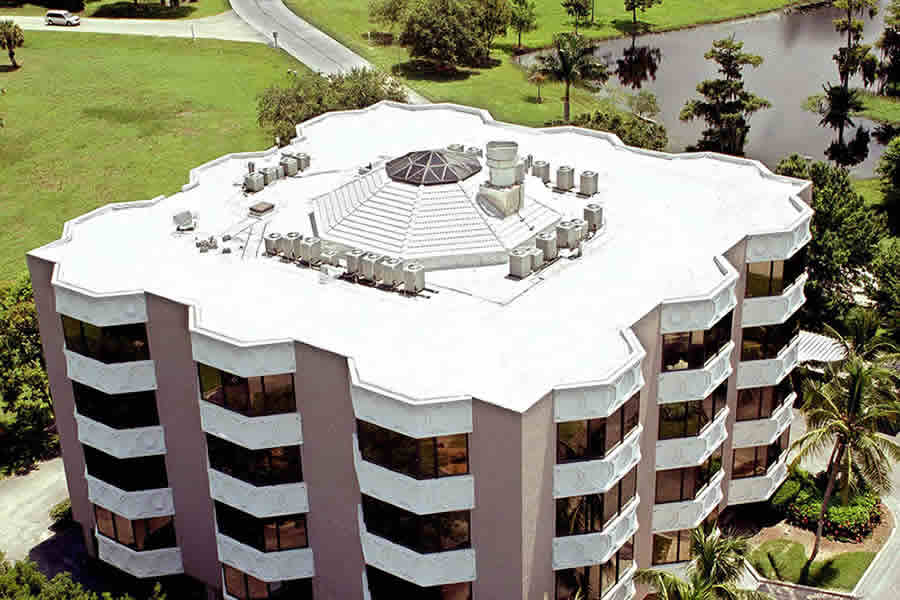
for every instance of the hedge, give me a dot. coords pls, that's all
(799, 500)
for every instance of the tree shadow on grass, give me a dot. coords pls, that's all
(628, 27)
(823, 576)
(130, 10)
(9, 68)
(426, 70)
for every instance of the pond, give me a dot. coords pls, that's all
(796, 46)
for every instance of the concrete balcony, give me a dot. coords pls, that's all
(690, 513)
(425, 570)
(147, 563)
(758, 489)
(624, 589)
(596, 476)
(781, 245)
(760, 373)
(692, 451)
(263, 501)
(114, 378)
(131, 505)
(695, 384)
(772, 310)
(703, 310)
(762, 432)
(266, 566)
(421, 496)
(121, 443)
(254, 433)
(596, 548)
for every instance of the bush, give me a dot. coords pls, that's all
(61, 513)
(631, 129)
(799, 500)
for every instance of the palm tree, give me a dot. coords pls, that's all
(11, 37)
(718, 562)
(571, 61)
(843, 413)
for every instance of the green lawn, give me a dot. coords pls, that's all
(883, 109)
(93, 119)
(503, 90)
(126, 8)
(870, 189)
(784, 560)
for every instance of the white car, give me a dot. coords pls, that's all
(61, 17)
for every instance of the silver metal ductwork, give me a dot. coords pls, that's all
(546, 243)
(541, 168)
(501, 159)
(520, 262)
(593, 214)
(565, 178)
(589, 183)
(293, 240)
(414, 278)
(273, 240)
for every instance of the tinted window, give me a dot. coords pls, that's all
(756, 461)
(437, 532)
(251, 396)
(129, 474)
(595, 438)
(678, 485)
(578, 515)
(269, 466)
(594, 581)
(687, 419)
(692, 349)
(761, 402)
(119, 343)
(270, 534)
(767, 341)
(772, 278)
(422, 458)
(384, 586)
(119, 411)
(246, 587)
(141, 534)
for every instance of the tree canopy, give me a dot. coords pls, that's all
(889, 172)
(11, 37)
(726, 106)
(643, 5)
(631, 129)
(577, 9)
(572, 60)
(845, 235)
(281, 107)
(445, 31)
(523, 17)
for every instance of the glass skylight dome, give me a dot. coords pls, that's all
(432, 167)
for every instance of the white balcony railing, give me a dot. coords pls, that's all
(770, 371)
(266, 566)
(113, 378)
(131, 505)
(762, 432)
(596, 476)
(254, 433)
(690, 513)
(262, 501)
(758, 489)
(121, 443)
(772, 310)
(146, 563)
(695, 384)
(596, 548)
(692, 451)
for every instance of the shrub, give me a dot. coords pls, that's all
(631, 129)
(61, 512)
(799, 500)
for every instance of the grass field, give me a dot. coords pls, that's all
(126, 8)
(883, 109)
(784, 560)
(93, 119)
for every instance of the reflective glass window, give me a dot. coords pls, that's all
(688, 419)
(242, 586)
(269, 534)
(119, 411)
(671, 547)
(114, 344)
(421, 458)
(766, 341)
(250, 396)
(128, 474)
(436, 532)
(678, 485)
(269, 466)
(693, 349)
(591, 439)
(384, 586)
(761, 402)
(154, 533)
(593, 582)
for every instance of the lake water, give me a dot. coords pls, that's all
(796, 46)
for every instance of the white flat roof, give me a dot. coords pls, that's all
(481, 335)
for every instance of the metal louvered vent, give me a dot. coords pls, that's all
(432, 167)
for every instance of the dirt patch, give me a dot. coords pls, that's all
(829, 548)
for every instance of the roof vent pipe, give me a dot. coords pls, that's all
(501, 160)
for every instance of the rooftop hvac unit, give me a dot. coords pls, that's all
(310, 250)
(520, 171)
(272, 239)
(593, 214)
(474, 150)
(368, 266)
(541, 168)
(353, 257)
(293, 240)
(261, 208)
(565, 178)
(456, 148)
(290, 166)
(254, 182)
(329, 256)
(580, 227)
(270, 174)
(546, 243)
(391, 271)
(537, 258)
(284, 246)
(566, 235)
(414, 278)
(303, 161)
(183, 220)
(520, 262)
(589, 182)
(501, 160)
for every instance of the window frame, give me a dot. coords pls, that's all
(270, 400)
(602, 590)
(791, 269)
(601, 501)
(704, 472)
(719, 393)
(415, 468)
(590, 453)
(88, 401)
(702, 341)
(126, 473)
(779, 392)
(106, 344)
(170, 539)
(271, 594)
(243, 463)
(231, 521)
(763, 458)
(417, 526)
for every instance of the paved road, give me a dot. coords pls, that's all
(24, 503)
